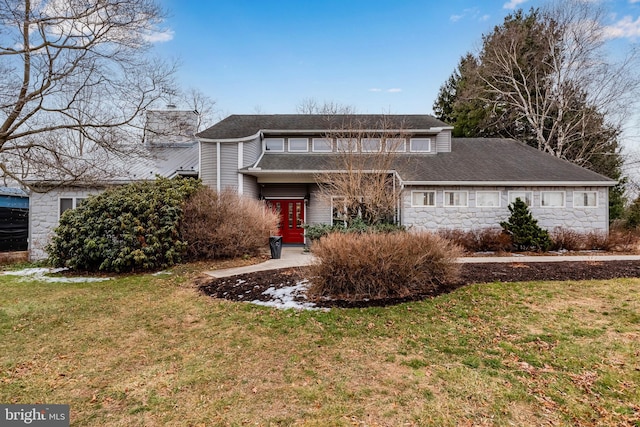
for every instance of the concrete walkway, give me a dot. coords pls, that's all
(296, 257)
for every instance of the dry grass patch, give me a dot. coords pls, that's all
(150, 351)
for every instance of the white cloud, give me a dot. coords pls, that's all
(394, 90)
(624, 28)
(375, 89)
(472, 13)
(512, 4)
(159, 36)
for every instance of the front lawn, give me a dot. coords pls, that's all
(148, 350)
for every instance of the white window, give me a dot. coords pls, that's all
(274, 144)
(397, 145)
(487, 199)
(552, 199)
(322, 145)
(525, 196)
(585, 199)
(423, 198)
(455, 198)
(298, 144)
(420, 145)
(370, 145)
(347, 145)
(67, 203)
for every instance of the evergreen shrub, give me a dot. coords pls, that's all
(524, 229)
(127, 228)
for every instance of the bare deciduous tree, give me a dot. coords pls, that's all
(363, 182)
(329, 108)
(552, 75)
(75, 76)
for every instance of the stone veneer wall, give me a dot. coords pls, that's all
(581, 219)
(44, 214)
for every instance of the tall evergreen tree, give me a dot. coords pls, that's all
(540, 79)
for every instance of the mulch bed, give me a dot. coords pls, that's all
(250, 287)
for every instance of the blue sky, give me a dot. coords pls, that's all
(379, 56)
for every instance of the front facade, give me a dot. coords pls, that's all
(444, 182)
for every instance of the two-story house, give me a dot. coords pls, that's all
(445, 182)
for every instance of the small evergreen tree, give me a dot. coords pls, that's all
(524, 229)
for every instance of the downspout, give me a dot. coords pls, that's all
(218, 174)
(399, 201)
(240, 165)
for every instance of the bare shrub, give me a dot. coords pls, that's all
(225, 225)
(481, 240)
(567, 239)
(357, 267)
(617, 240)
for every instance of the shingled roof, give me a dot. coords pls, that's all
(243, 126)
(471, 160)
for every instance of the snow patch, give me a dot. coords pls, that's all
(285, 297)
(41, 274)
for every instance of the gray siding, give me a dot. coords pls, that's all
(208, 164)
(250, 186)
(283, 192)
(319, 210)
(471, 217)
(228, 165)
(252, 150)
(443, 142)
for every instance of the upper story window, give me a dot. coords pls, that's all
(420, 145)
(322, 145)
(299, 144)
(347, 145)
(486, 199)
(370, 145)
(552, 199)
(525, 196)
(67, 203)
(455, 198)
(585, 199)
(423, 198)
(396, 145)
(274, 144)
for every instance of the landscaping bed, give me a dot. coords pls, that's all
(260, 287)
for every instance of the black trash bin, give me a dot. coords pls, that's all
(275, 244)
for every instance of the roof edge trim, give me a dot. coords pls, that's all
(241, 139)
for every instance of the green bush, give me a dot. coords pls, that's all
(127, 228)
(316, 231)
(524, 230)
(225, 225)
(370, 266)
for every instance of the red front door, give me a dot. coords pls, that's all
(291, 219)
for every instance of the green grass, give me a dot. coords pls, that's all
(147, 350)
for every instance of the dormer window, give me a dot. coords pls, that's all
(346, 145)
(298, 144)
(274, 144)
(420, 145)
(370, 145)
(322, 145)
(395, 145)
